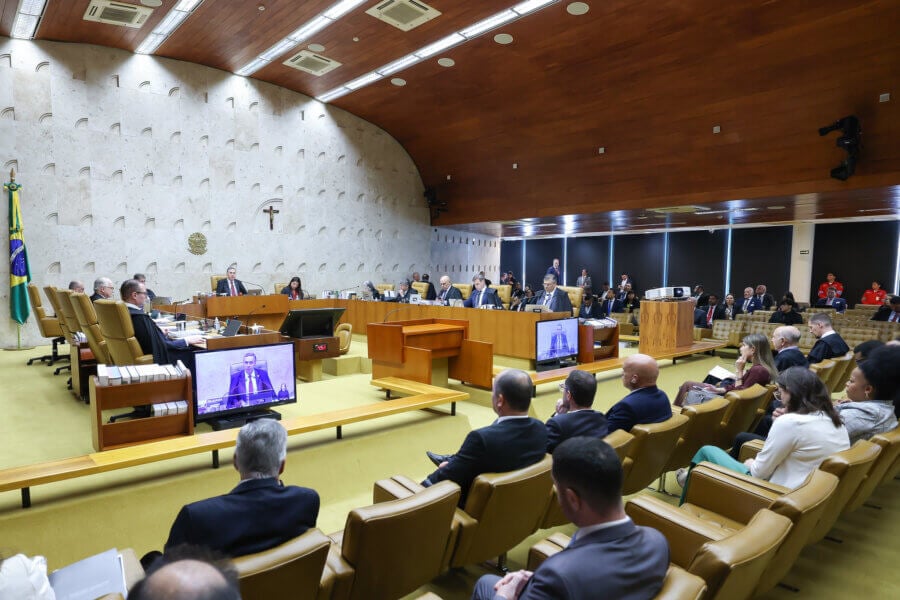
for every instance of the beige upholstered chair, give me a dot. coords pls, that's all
(465, 289)
(48, 325)
(701, 430)
(50, 292)
(681, 585)
(87, 321)
(64, 302)
(575, 296)
(214, 281)
(890, 450)
(385, 287)
(504, 292)
(294, 569)
(389, 549)
(421, 287)
(344, 333)
(278, 287)
(117, 330)
(653, 444)
(742, 412)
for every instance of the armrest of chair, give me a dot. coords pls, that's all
(717, 492)
(394, 488)
(338, 573)
(748, 479)
(546, 548)
(751, 449)
(701, 333)
(685, 533)
(466, 527)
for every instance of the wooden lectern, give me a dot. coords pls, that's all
(666, 326)
(407, 348)
(268, 311)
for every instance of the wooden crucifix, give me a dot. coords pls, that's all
(272, 212)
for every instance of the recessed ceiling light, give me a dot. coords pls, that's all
(776, 208)
(602, 150)
(398, 81)
(577, 8)
(152, 3)
(316, 47)
(446, 62)
(503, 38)
(717, 129)
(355, 39)
(884, 98)
(261, 8)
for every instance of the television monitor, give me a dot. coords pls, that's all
(311, 322)
(556, 343)
(224, 397)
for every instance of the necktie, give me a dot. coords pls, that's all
(893, 317)
(233, 291)
(746, 305)
(250, 385)
(709, 315)
(480, 297)
(547, 299)
(828, 303)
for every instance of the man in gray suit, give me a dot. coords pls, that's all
(609, 556)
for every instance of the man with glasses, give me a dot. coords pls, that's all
(574, 415)
(149, 336)
(103, 289)
(230, 286)
(143, 279)
(555, 299)
(448, 292)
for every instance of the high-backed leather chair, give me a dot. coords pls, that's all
(214, 281)
(344, 333)
(701, 430)
(717, 499)
(64, 301)
(731, 563)
(50, 292)
(389, 549)
(421, 287)
(294, 569)
(504, 292)
(741, 413)
(844, 365)
(653, 444)
(575, 296)
(117, 330)
(465, 289)
(890, 450)
(87, 321)
(48, 326)
(894, 467)
(681, 585)
(385, 287)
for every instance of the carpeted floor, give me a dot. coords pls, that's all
(134, 508)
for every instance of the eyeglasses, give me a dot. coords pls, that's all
(777, 394)
(144, 293)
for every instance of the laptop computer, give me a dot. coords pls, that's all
(231, 328)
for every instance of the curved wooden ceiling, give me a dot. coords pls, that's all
(647, 80)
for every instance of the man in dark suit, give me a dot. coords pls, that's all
(610, 304)
(151, 339)
(448, 292)
(143, 279)
(513, 441)
(482, 295)
(574, 416)
(103, 289)
(261, 512)
(430, 293)
(646, 403)
(249, 385)
(557, 300)
(554, 270)
(713, 311)
(404, 294)
(701, 298)
(590, 307)
(828, 343)
(748, 303)
(766, 300)
(609, 556)
(230, 286)
(831, 300)
(889, 312)
(786, 315)
(784, 342)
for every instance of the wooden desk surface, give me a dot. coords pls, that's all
(430, 328)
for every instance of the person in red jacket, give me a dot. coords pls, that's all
(831, 281)
(875, 295)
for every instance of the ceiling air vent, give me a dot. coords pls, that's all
(403, 14)
(117, 13)
(313, 63)
(674, 210)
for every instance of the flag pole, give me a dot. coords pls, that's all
(19, 273)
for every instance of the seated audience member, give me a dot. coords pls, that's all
(24, 578)
(448, 292)
(604, 287)
(786, 315)
(749, 303)
(623, 293)
(526, 299)
(294, 289)
(76, 287)
(511, 280)
(143, 279)
(151, 339)
(646, 403)
(705, 315)
(430, 293)
(516, 296)
(766, 300)
(504, 278)
(261, 512)
(789, 295)
(862, 351)
(609, 556)
(610, 304)
(590, 308)
(874, 296)
(828, 343)
(624, 280)
(809, 431)
(784, 342)
(482, 295)
(873, 392)
(730, 308)
(889, 312)
(551, 296)
(755, 351)
(189, 573)
(103, 289)
(631, 302)
(230, 286)
(574, 416)
(405, 292)
(831, 300)
(831, 281)
(584, 280)
(512, 442)
(701, 298)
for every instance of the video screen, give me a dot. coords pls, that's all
(555, 339)
(244, 379)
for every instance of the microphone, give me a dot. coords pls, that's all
(352, 287)
(177, 302)
(251, 283)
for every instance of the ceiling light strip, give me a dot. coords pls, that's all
(167, 26)
(301, 34)
(454, 39)
(28, 17)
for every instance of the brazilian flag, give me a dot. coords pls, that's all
(19, 274)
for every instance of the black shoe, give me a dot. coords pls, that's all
(437, 459)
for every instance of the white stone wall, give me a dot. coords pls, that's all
(462, 254)
(123, 156)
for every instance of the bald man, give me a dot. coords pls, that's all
(448, 292)
(646, 403)
(188, 579)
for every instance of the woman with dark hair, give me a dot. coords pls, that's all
(293, 290)
(755, 351)
(631, 302)
(872, 395)
(875, 295)
(528, 296)
(809, 431)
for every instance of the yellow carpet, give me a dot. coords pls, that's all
(134, 508)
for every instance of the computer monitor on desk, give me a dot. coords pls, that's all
(556, 343)
(311, 322)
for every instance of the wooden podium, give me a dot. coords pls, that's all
(407, 348)
(666, 326)
(268, 311)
